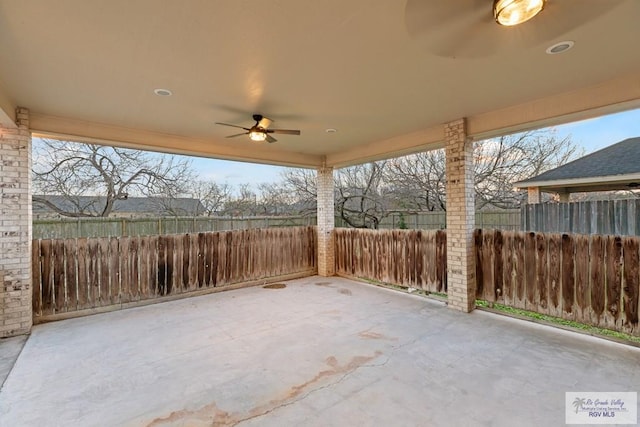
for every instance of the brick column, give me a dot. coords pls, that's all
(533, 195)
(15, 227)
(326, 222)
(461, 275)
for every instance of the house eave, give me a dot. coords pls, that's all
(611, 182)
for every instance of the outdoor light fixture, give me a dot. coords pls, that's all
(257, 135)
(162, 92)
(514, 12)
(560, 47)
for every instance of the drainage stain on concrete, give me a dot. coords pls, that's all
(275, 286)
(211, 415)
(334, 311)
(343, 291)
(370, 335)
(322, 283)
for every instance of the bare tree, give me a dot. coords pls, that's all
(275, 199)
(419, 179)
(212, 195)
(500, 162)
(300, 184)
(244, 203)
(362, 199)
(75, 170)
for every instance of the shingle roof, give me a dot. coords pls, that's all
(618, 159)
(158, 205)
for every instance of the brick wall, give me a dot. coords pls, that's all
(326, 222)
(533, 195)
(460, 217)
(15, 227)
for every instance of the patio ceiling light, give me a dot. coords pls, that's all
(514, 12)
(560, 47)
(257, 135)
(162, 92)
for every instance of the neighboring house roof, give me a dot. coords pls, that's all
(132, 205)
(616, 167)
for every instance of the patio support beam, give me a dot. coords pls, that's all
(15, 224)
(461, 279)
(326, 222)
(533, 195)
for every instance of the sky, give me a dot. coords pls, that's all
(592, 135)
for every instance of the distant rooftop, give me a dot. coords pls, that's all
(133, 205)
(612, 168)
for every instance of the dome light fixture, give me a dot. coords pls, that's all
(257, 135)
(514, 12)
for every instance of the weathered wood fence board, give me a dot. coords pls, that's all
(591, 279)
(610, 217)
(77, 274)
(411, 258)
(59, 228)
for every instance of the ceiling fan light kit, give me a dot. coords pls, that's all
(257, 135)
(514, 12)
(260, 132)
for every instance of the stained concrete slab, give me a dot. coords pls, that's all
(319, 352)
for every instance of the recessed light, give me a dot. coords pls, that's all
(330, 130)
(560, 47)
(162, 92)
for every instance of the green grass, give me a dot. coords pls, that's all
(593, 330)
(438, 295)
(539, 317)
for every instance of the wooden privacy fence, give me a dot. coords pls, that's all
(411, 258)
(591, 279)
(65, 228)
(508, 219)
(78, 274)
(621, 217)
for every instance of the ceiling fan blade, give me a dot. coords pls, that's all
(426, 18)
(454, 28)
(237, 134)
(233, 126)
(265, 122)
(271, 139)
(284, 131)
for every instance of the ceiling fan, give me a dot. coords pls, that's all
(479, 28)
(260, 131)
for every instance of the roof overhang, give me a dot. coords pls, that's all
(87, 71)
(580, 185)
(605, 98)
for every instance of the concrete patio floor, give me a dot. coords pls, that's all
(320, 352)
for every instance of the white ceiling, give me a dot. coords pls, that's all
(368, 69)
